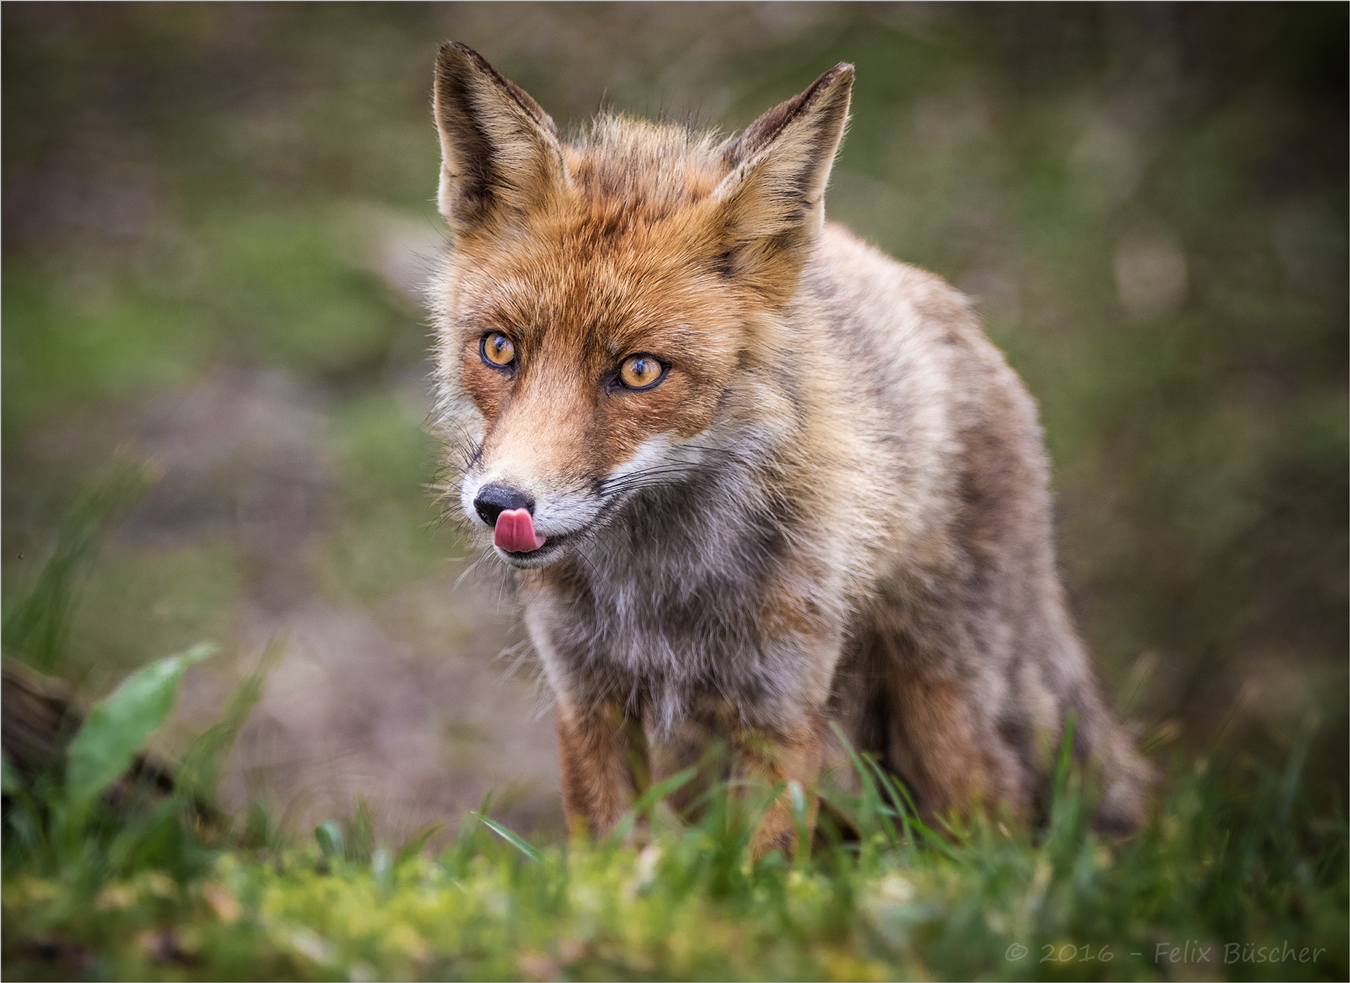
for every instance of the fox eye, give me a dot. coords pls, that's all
(641, 372)
(497, 350)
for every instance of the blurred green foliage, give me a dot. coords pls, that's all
(1148, 201)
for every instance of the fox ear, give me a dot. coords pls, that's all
(500, 153)
(770, 208)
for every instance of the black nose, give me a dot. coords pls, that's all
(493, 500)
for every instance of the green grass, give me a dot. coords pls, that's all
(1228, 861)
(104, 878)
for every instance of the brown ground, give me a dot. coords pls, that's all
(415, 704)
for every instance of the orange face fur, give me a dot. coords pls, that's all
(576, 302)
(643, 247)
(574, 313)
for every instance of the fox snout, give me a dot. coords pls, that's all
(494, 499)
(510, 514)
(538, 515)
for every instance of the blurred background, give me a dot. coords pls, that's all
(218, 219)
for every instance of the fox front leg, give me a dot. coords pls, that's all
(792, 754)
(603, 757)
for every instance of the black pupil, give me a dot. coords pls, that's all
(640, 369)
(499, 348)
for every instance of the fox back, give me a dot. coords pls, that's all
(748, 473)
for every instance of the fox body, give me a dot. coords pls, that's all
(748, 473)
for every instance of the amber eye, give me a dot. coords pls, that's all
(641, 372)
(497, 350)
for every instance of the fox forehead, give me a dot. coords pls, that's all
(610, 303)
(615, 288)
(634, 212)
(630, 169)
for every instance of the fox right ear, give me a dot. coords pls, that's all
(500, 153)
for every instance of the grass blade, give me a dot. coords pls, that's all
(649, 799)
(1065, 755)
(1293, 771)
(35, 628)
(331, 840)
(199, 771)
(416, 844)
(508, 836)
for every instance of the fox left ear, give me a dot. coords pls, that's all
(771, 207)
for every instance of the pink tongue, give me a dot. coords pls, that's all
(515, 533)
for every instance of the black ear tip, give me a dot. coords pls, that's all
(832, 85)
(843, 72)
(456, 52)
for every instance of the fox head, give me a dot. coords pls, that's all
(609, 316)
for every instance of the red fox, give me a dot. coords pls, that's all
(748, 472)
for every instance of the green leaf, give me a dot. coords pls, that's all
(119, 724)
